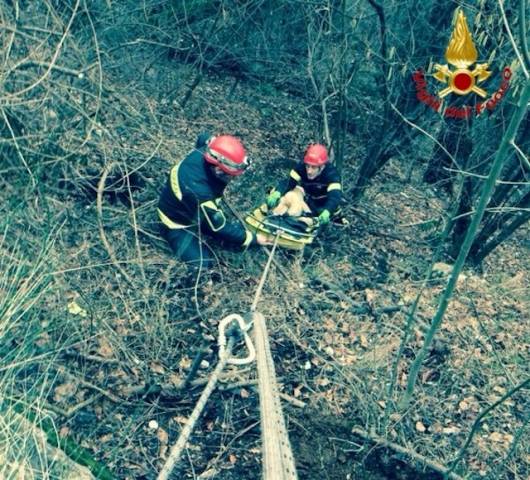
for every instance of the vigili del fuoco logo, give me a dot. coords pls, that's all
(464, 79)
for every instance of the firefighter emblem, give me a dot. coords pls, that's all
(462, 54)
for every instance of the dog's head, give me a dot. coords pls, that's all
(292, 204)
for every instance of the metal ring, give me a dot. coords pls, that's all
(248, 342)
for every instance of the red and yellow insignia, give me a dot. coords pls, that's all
(461, 53)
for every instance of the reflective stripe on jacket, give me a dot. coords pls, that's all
(191, 197)
(324, 190)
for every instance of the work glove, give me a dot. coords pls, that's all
(324, 217)
(273, 199)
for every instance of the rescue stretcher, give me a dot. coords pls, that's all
(294, 232)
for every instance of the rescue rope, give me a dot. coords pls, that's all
(278, 461)
(265, 273)
(225, 357)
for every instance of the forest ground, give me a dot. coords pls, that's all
(118, 335)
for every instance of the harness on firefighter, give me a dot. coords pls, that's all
(294, 233)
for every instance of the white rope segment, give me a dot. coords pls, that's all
(225, 357)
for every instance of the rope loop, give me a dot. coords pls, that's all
(235, 326)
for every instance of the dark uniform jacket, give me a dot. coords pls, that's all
(191, 199)
(322, 193)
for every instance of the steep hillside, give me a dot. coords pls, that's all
(102, 329)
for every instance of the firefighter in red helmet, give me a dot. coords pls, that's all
(189, 206)
(319, 180)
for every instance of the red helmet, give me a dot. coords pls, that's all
(227, 153)
(316, 155)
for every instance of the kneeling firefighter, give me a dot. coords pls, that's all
(189, 207)
(320, 182)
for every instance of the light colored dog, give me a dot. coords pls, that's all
(292, 204)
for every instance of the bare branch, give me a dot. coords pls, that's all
(512, 40)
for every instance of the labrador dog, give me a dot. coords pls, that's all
(292, 204)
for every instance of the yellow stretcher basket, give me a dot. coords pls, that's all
(294, 233)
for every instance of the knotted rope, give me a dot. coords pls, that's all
(278, 461)
(225, 357)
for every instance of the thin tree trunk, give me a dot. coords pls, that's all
(391, 136)
(485, 196)
(498, 221)
(455, 138)
(519, 219)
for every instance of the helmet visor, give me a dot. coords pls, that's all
(221, 160)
